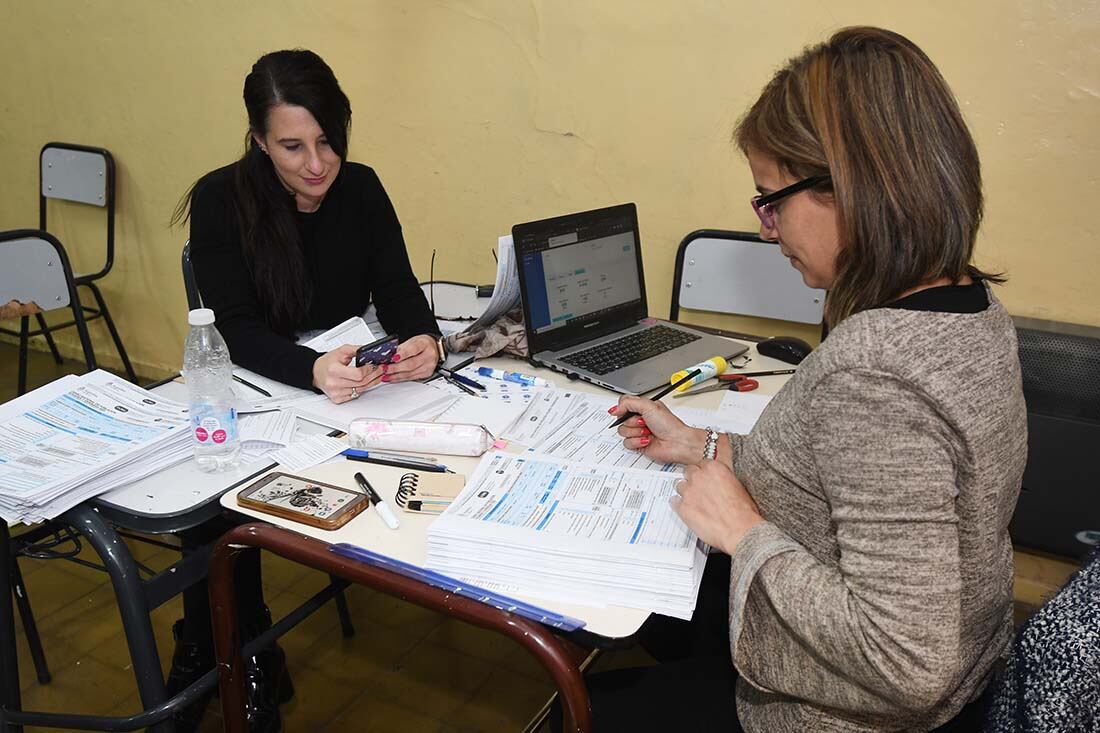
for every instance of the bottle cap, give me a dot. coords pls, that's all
(200, 317)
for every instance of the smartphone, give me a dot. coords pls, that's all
(303, 500)
(378, 352)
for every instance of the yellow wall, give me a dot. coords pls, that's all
(479, 114)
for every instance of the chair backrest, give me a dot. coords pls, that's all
(739, 273)
(34, 269)
(81, 174)
(194, 299)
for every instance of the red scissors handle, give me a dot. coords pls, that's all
(738, 382)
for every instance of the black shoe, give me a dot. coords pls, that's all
(267, 682)
(190, 661)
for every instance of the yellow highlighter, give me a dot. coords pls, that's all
(712, 367)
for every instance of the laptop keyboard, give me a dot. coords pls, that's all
(623, 352)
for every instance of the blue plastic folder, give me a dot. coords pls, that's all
(496, 600)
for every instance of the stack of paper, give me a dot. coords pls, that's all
(541, 526)
(80, 436)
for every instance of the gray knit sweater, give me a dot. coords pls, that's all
(877, 596)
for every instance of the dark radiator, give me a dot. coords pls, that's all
(1059, 507)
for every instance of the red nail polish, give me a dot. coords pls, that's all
(397, 357)
(611, 410)
(384, 368)
(385, 378)
(646, 432)
(641, 422)
(644, 442)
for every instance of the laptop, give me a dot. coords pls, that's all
(584, 304)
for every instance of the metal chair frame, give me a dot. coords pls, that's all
(87, 280)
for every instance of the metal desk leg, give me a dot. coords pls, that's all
(9, 660)
(133, 609)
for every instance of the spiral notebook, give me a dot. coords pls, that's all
(428, 493)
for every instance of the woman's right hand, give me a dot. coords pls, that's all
(334, 374)
(657, 433)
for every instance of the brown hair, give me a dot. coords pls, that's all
(870, 109)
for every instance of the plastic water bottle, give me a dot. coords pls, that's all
(208, 373)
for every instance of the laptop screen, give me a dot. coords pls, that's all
(580, 274)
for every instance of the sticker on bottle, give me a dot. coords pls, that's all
(207, 426)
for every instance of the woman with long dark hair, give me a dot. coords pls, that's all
(292, 238)
(863, 579)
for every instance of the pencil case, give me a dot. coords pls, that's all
(453, 439)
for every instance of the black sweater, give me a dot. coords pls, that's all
(353, 251)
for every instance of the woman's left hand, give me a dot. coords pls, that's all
(416, 358)
(713, 502)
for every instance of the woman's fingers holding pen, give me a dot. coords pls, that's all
(658, 433)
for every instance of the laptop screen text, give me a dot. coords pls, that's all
(577, 276)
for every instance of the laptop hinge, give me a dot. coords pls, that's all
(592, 335)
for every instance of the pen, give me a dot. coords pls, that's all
(264, 392)
(354, 454)
(380, 506)
(773, 372)
(450, 379)
(512, 377)
(686, 378)
(464, 379)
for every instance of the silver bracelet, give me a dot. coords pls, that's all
(710, 448)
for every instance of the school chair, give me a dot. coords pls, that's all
(83, 175)
(741, 274)
(194, 300)
(36, 277)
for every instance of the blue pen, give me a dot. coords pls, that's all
(465, 380)
(439, 580)
(417, 464)
(512, 377)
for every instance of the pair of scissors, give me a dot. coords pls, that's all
(731, 382)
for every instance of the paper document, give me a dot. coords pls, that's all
(267, 430)
(495, 416)
(81, 436)
(585, 435)
(353, 331)
(506, 288)
(591, 533)
(308, 452)
(251, 400)
(396, 401)
(739, 411)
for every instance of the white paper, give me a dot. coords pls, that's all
(588, 533)
(270, 429)
(387, 401)
(545, 412)
(739, 411)
(506, 288)
(353, 331)
(581, 432)
(81, 436)
(282, 395)
(496, 416)
(309, 452)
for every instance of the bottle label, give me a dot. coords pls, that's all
(213, 424)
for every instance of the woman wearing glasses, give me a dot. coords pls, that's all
(865, 575)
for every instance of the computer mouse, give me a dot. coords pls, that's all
(785, 348)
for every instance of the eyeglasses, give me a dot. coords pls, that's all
(764, 206)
